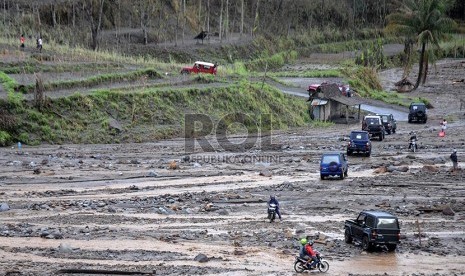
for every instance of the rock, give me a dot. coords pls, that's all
(173, 165)
(201, 258)
(448, 211)
(381, 169)
(44, 233)
(403, 169)
(383, 204)
(223, 212)
(266, 173)
(288, 233)
(65, 248)
(37, 171)
(391, 169)
(287, 252)
(430, 168)
(114, 125)
(238, 252)
(4, 207)
(152, 174)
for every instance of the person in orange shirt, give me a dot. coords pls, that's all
(22, 40)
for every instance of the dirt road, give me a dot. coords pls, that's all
(153, 208)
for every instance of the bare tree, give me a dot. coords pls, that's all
(255, 22)
(144, 10)
(221, 21)
(94, 11)
(242, 17)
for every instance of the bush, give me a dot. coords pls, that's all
(5, 138)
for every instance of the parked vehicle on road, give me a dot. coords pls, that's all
(200, 67)
(359, 143)
(333, 164)
(373, 229)
(390, 124)
(374, 125)
(417, 113)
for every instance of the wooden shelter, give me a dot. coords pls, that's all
(328, 103)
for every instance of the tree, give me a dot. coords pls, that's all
(426, 22)
(94, 11)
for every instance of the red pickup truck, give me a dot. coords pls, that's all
(200, 67)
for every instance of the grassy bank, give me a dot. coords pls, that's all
(148, 115)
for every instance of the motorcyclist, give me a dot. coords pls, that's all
(413, 137)
(307, 252)
(274, 201)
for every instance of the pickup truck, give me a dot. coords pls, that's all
(373, 229)
(374, 125)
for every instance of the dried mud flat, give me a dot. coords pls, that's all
(152, 209)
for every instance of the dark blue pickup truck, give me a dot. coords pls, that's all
(373, 229)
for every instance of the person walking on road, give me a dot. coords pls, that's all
(453, 157)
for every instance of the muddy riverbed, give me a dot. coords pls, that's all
(154, 209)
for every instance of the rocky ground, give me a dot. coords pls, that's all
(154, 209)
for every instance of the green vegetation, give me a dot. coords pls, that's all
(142, 75)
(326, 73)
(426, 23)
(150, 114)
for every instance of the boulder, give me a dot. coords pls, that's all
(448, 211)
(4, 207)
(201, 258)
(430, 168)
(114, 125)
(381, 169)
(173, 165)
(266, 173)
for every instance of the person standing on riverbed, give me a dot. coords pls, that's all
(453, 158)
(444, 126)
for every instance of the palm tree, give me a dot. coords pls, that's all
(425, 22)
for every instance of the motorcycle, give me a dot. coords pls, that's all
(301, 266)
(413, 145)
(271, 212)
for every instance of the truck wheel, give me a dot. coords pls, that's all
(366, 244)
(381, 137)
(341, 176)
(391, 247)
(346, 172)
(347, 236)
(393, 130)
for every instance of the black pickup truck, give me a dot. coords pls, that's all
(373, 229)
